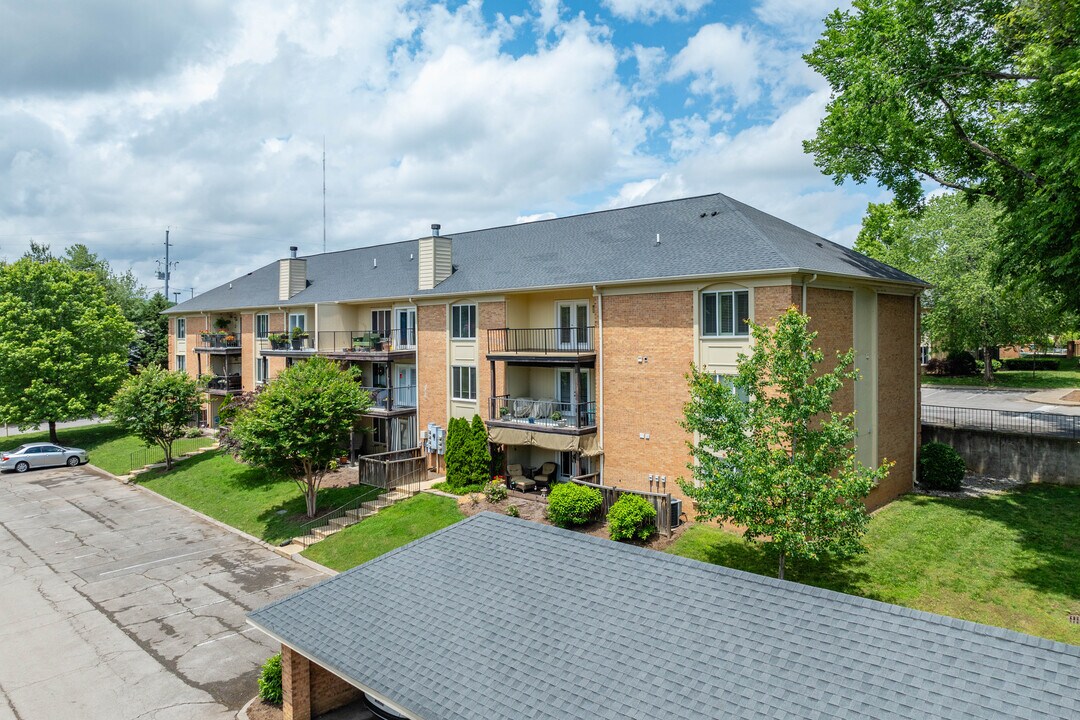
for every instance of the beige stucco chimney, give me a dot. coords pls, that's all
(436, 259)
(292, 275)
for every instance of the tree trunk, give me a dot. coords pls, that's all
(310, 496)
(167, 448)
(52, 433)
(988, 366)
(780, 574)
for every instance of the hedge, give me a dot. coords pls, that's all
(570, 504)
(1028, 364)
(632, 517)
(940, 467)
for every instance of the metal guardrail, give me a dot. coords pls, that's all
(225, 383)
(541, 340)
(218, 341)
(398, 397)
(1003, 421)
(544, 413)
(367, 495)
(366, 341)
(151, 455)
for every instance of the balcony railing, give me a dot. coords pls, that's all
(218, 341)
(224, 383)
(284, 342)
(397, 398)
(366, 341)
(543, 341)
(543, 413)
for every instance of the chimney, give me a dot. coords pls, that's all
(436, 260)
(292, 275)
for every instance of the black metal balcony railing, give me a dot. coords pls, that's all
(225, 383)
(541, 340)
(366, 341)
(218, 341)
(283, 341)
(397, 398)
(545, 413)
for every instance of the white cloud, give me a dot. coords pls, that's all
(723, 59)
(649, 11)
(534, 217)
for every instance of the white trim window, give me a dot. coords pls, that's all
(262, 326)
(262, 369)
(181, 328)
(463, 322)
(463, 380)
(298, 320)
(380, 322)
(181, 362)
(725, 313)
(728, 380)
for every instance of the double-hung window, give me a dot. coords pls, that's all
(262, 326)
(298, 320)
(725, 314)
(181, 362)
(464, 382)
(262, 369)
(728, 381)
(463, 322)
(380, 322)
(181, 328)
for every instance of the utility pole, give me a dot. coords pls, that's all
(324, 193)
(192, 292)
(167, 268)
(176, 296)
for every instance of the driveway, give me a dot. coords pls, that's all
(117, 604)
(1010, 400)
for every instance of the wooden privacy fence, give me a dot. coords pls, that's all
(609, 494)
(390, 470)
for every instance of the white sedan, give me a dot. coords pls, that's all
(36, 455)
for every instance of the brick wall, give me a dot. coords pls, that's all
(832, 318)
(897, 394)
(309, 690)
(771, 302)
(170, 360)
(489, 315)
(196, 325)
(328, 691)
(431, 372)
(646, 397)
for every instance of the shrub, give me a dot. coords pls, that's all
(570, 504)
(512, 511)
(940, 467)
(960, 363)
(495, 491)
(193, 432)
(632, 517)
(270, 680)
(1028, 364)
(995, 365)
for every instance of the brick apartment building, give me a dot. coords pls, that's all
(570, 337)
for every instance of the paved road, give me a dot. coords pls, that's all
(116, 604)
(1012, 400)
(10, 430)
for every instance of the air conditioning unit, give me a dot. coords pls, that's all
(676, 512)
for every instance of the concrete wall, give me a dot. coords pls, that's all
(1019, 457)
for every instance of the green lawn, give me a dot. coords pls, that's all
(216, 485)
(1009, 560)
(110, 447)
(1066, 376)
(391, 528)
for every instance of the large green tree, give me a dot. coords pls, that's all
(157, 406)
(770, 453)
(981, 96)
(951, 244)
(297, 426)
(63, 345)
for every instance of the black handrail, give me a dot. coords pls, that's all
(1004, 421)
(366, 341)
(541, 340)
(546, 413)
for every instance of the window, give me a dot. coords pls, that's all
(262, 326)
(181, 362)
(380, 322)
(924, 354)
(406, 329)
(736, 391)
(378, 432)
(463, 322)
(725, 313)
(297, 320)
(464, 380)
(181, 328)
(262, 369)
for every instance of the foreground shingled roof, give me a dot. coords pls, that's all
(496, 617)
(700, 236)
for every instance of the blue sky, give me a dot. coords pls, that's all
(121, 118)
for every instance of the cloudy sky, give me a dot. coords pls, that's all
(119, 118)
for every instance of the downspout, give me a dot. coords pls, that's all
(598, 341)
(918, 393)
(316, 343)
(806, 282)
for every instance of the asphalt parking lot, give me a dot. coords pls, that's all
(979, 398)
(117, 604)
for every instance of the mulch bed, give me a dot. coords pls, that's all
(262, 710)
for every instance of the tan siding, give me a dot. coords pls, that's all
(897, 394)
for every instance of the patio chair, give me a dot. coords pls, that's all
(546, 474)
(518, 481)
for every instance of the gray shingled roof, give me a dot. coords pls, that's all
(496, 618)
(700, 236)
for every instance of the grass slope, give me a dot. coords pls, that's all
(216, 485)
(1009, 560)
(110, 447)
(391, 528)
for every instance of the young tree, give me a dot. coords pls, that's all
(297, 425)
(156, 405)
(63, 346)
(979, 96)
(772, 455)
(479, 460)
(458, 434)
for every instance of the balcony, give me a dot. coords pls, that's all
(224, 384)
(547, 346)
(285, 345)
(218, 344)
(392, 401)
(543, 415)
(383, 346)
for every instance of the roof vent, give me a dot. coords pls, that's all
(435, 228)
(714, 213)
(292, 251)
(704, 214)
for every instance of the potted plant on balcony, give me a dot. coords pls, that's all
(278, 341)
(558, 418)
(230, 341)
(504, 412)
(298, 338)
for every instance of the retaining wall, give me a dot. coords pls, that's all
(1030, 458)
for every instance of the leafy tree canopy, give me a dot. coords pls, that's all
(298, 424)
(156, 406)
(63, 346)
(980, 96)
(771, 453)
